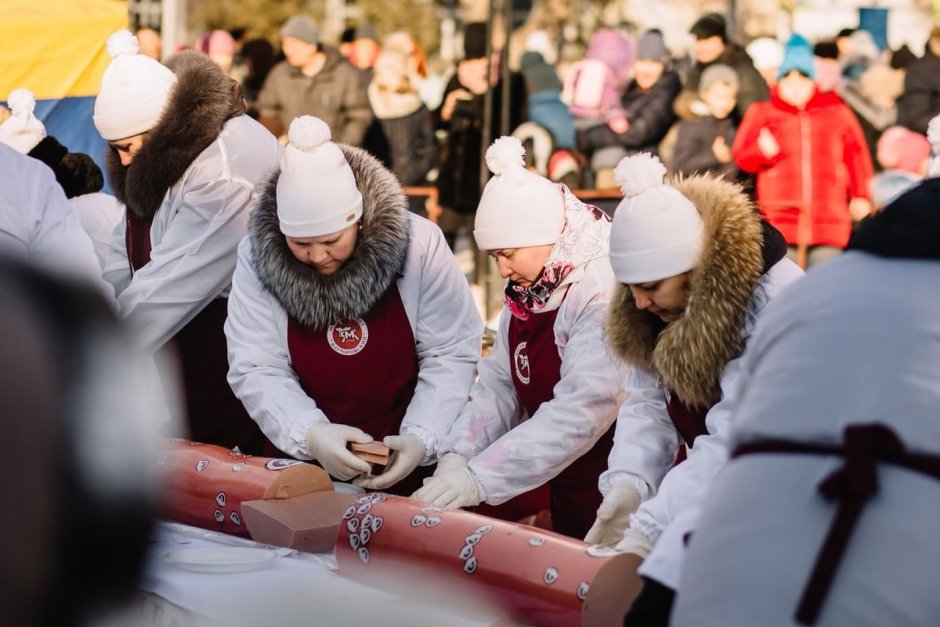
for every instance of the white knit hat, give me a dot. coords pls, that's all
(657, 232)
(22, 130)
(316, 191)
(518, 208)
(134, 90)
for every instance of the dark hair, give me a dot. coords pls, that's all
(846, 32)
(258, 54)
(826, 50)
(710, 25)
(902, 57)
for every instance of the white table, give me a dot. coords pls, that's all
(295, 588)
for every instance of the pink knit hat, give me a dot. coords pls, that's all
(902, 149)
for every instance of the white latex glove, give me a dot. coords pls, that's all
(450, 461)
(327, 443)
(635, 543)
(408, 451)
(613, 516)
(450, 490)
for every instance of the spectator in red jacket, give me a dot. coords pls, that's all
(810, 157)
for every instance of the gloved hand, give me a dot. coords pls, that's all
(450, 490)
(408, 453)
(327, 443)
(613, 516)
(450, 461)
(635, 543)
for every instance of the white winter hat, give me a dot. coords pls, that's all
(657, 232)
(518, 208)
(766, 53)
(22, 130)
(134, 90)
(316, 191)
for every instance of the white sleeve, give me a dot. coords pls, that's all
(192, 264)
(59, 242)
(671, 515)
(645, 441)
(260, 370)
(117, 269)
(448, 336)
(583, 407)
(493, 407)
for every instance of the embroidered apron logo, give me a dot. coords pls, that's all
(520, 360)
(348, 337)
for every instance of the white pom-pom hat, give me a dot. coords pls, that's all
(22, 131)
(316, 190)
(134, 90)
(657, 232)
(518, 208)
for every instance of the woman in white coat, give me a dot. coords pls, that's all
(184, 161)
(827, 512)
(349, 318)
(543, 408)
(696, 265)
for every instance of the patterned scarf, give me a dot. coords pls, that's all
(585, 237)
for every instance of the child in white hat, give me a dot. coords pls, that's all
(349, 318)
(183, 162)
(540, 414)
(696, 265)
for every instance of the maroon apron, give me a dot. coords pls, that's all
(849, 488)
(536, 368)
(214, 415)
(690, 423)
(361, 373)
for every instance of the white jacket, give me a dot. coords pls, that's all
(37, 223)
(856, 341)
(435, 295)
(99, 214)
(671, 514)
(510, 454)
(194, 235)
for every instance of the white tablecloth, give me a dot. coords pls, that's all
(296, 588)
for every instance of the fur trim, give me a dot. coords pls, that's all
(200, 103)
(315, 300)
(691, 353)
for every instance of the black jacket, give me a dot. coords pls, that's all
(650, 116)
(921, 98)
(693, 152)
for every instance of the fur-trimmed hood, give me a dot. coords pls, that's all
(690, 354)
(378, 259)
(199, 104)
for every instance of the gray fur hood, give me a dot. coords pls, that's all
(379, 257)
(199, 104)
(690, 354)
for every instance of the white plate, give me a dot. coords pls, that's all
(229, 559)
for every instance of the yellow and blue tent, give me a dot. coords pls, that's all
(56, 49)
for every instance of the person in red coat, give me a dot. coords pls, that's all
(810, 157)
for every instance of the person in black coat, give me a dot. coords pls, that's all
(704, 145)
(461, 114)
(921, 98)
(648, 106)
